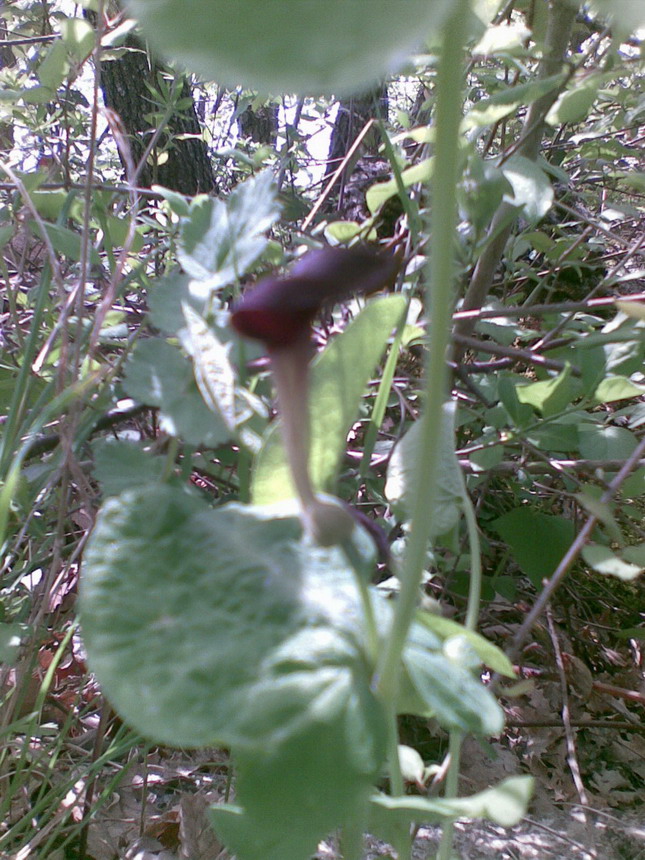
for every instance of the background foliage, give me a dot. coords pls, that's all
(131, 218)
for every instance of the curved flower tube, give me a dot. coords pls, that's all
(279, 311)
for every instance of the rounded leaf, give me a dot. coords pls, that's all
(303, 46)
(209, 627)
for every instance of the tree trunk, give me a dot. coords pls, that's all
(352, 115)
(179, 163)
(260, 124)
(7, 60)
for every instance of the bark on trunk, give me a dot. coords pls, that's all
(352, 115)
(7, 60)
(185, 166)
(261, 124)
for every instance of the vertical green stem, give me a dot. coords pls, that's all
(244, 456)
(472, 614)
(452, 785)
(171, 458)
(380, 404)
(440, 302)
(475, 587)
(351, 838)
(18, 405)
(361, 578)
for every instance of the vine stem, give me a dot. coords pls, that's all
(472, 614)
(440, 303)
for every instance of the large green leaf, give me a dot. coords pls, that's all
(167, 295)
(221, 239)
(627, 16)
(292, 795)
(454, 696)
(574, 104)
(225, 611)
(504, 804)
(553, 436)
(549, 396)
(520, 412)
(67, 242)
(538, 541)
(292, 45)
(403, 475)
(121, 465)
(220, 627)
(531, 187)
(606, 443)
(158, 374)
(338, 379)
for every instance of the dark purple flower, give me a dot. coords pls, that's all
(279, 309)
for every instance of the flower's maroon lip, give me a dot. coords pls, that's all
(279, 310)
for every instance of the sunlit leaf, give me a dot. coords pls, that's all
(603, 560)
(489, 654)
(574, 104)
(338, 380)
(505, 804)
(258, 637)
(531, 187)
(550, 396)
(403, 475)
(54, 67)
(614, 388)
(213, 370)
(221, 239)
(378, 194)
(503, 38)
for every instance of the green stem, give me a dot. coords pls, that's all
(19, 398)
(411, 211)
(400, 838)
(351, 838)
(244, 465)
(361, 579)
(171, 458)
(380, 404)
(472, 614)
(452, 786)
(475, 587)
(440, 301)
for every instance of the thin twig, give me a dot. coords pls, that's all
(515, 353)
(336, 175)
(572, 756)
(576, 724)
(541, 309)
